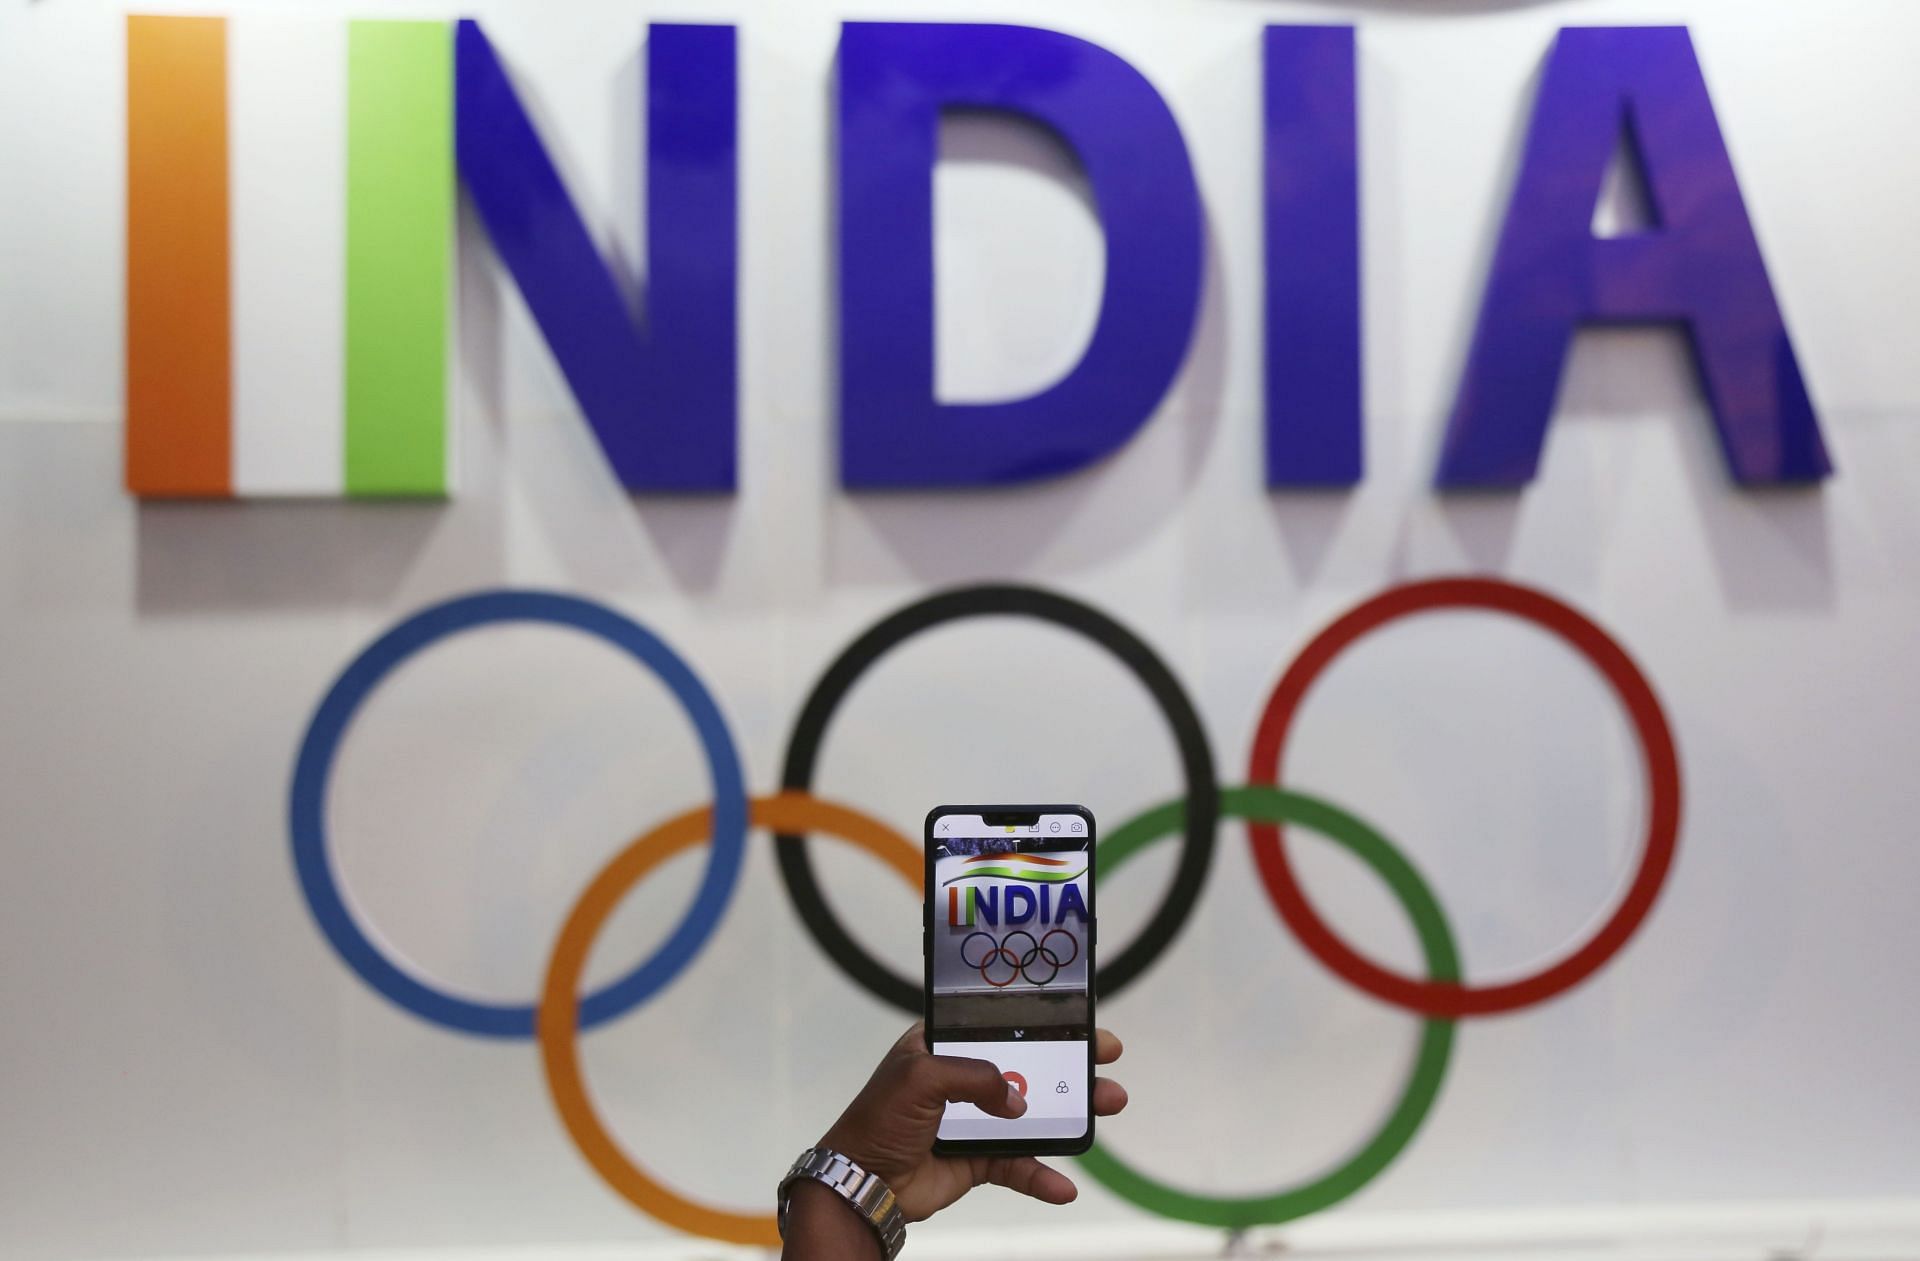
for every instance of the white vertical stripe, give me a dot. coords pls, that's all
(287, 128)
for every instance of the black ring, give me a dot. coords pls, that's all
(1040, 984)
(1059, 963)
(991, 944)
(1026, 956)
(1196, 763)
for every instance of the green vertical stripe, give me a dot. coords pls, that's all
(399, 247)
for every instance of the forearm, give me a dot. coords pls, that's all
(823, 1227)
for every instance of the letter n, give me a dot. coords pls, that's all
(661, 401)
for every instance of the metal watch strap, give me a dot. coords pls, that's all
(868, 1195)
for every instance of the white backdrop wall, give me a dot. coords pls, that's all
(185, 1066)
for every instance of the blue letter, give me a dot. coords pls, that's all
(1699, 267)
(895, 79)
(1070, 900)
(662, 404)
(1025, 896)
(1313, 258)
(989, 906)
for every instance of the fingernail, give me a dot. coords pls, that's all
(1015, 1104)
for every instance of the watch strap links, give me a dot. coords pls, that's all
(865, 1192)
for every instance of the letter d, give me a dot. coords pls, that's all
(895, 79)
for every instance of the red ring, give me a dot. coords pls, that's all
(1449, 999)
(998, 951)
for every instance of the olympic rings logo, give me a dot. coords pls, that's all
(1037, 951)
(1440, 998)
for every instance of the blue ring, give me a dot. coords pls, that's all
(307, 808)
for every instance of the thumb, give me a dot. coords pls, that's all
(1029, 1177)
(958, 1079)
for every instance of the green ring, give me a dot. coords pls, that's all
(1275, 805)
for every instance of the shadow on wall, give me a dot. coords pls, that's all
(1310, 521)
(266, 555)
(1771, 548)
(690, 534)
(607, 538)
(263, 555)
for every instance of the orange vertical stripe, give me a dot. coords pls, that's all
(179, 329)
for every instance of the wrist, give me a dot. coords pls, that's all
(867, 1203)
(850, 1146)
(822, 1224)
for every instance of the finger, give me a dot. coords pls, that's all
(914, 1039)
(1109, 1096)
(957, 1079)
(1029, 1177)
(1106, 1047)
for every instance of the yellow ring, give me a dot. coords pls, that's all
(557, 1023)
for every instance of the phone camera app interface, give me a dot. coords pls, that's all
(1011, 976)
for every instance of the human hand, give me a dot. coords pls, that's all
(889, 1127)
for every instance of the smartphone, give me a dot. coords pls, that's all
(1010, 932)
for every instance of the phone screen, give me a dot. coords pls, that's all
(1010, 963)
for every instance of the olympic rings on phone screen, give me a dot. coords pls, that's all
(1440, 998)
(1035, 951)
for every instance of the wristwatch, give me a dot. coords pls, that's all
(865, 1192)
